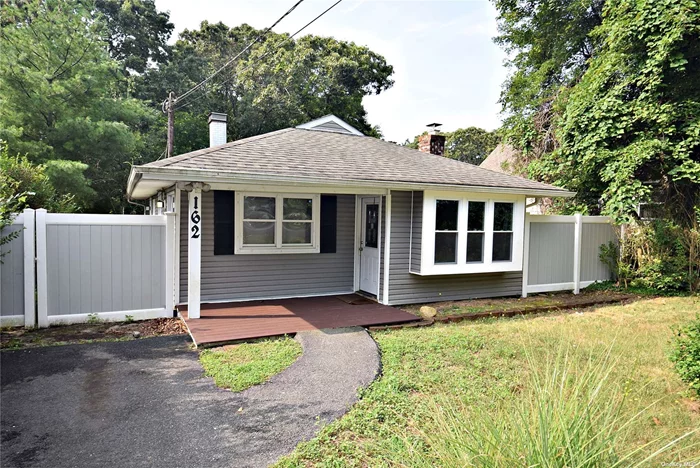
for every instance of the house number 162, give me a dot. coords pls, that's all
(194, 217)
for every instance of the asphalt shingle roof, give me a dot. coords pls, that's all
(305, 153)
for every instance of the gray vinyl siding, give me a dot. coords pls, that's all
(407, 288)
(246, 277)
(592, 237)
(416, 231)
(551, 259)
(332, 127)
(12, 274)
(104, 268)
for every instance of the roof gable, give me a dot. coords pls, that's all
(331, 123)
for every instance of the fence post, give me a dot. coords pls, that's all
(578, 221)
(526, 252)
(41, 270)
(29, 269)
(169, 262)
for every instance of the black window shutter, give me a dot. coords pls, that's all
(329, 223)
(223, 222)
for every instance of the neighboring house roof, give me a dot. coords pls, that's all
(501, 159)
(299, 155)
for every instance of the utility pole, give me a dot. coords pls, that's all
(168, 107)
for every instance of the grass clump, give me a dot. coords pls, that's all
(570, 414)
(241, 366)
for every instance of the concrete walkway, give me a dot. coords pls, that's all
(146, 403)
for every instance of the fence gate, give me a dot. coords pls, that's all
(102, 266)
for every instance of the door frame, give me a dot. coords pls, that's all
(358, 240)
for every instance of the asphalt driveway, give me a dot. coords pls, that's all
(147, 403)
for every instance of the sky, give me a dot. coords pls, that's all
(446, 67)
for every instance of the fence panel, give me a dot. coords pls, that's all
(109, 266)
(562, 252)
(17, 305)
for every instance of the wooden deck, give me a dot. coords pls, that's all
(220, 323)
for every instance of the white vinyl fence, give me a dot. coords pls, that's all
(102, 266)
(17, 274)
(562, 252)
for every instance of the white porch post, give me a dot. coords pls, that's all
(387, 249)
(194, 250)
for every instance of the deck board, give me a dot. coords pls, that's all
(225, 322)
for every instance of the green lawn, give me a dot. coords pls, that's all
(434, 376)
(238, 367)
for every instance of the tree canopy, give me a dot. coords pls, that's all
(81, 85)
(613, 102)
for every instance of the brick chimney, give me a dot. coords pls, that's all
(217, 129)
(432, 142)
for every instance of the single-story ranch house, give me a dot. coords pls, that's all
(321, 209)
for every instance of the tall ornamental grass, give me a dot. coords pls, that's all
(569, 413)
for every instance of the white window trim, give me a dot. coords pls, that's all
(428, 266)
(458, 231)
(278, 248)
(487, 242)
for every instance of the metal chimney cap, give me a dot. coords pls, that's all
(217, 117)
(434, 125)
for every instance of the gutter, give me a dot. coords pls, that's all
(170, 174)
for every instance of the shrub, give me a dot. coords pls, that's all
(658, 255)
(686, 354)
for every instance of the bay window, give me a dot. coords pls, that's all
(471, 233)
(277, 223)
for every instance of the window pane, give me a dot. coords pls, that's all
(371, 225)
(445, 247)
(475, 220)
(296, 233)
(446, 215)
(502, 216)
(297, 209)
(475, 247)
(258, 233)
(259, 208)
(502, 246)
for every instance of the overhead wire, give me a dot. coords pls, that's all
(275, 48)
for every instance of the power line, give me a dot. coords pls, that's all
(206, 80)
(276, 47)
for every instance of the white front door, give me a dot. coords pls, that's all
(369, 245)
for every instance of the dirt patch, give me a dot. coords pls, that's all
(15, 338)
(539, 302)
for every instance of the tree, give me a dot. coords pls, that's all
(471, 144)
(549, 43)
(136, 33)
(59, 98)
(630, 129)
(272, 86)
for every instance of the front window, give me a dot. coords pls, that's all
(277, 223)
(446, 219)
(502, 232)
(476, 215)
(471, 234)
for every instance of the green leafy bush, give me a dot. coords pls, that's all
(686, 354)
(658, 255)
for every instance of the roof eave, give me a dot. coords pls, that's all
(177, 174)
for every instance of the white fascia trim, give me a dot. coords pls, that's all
(141, 314)
(330, 118)
(569, 219)
(174, 175)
